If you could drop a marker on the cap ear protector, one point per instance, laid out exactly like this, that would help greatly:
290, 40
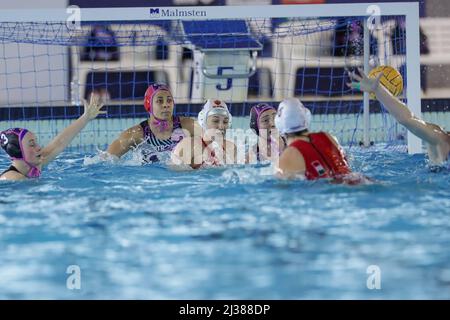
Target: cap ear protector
11, 142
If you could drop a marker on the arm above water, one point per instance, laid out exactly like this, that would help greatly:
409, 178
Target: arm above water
127, 140
62, 140
429, 132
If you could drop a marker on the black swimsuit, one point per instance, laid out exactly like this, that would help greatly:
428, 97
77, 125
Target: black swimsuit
11, 168
155, 145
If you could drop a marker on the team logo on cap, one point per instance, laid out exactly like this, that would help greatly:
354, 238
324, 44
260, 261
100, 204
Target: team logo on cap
4, 139
217, 103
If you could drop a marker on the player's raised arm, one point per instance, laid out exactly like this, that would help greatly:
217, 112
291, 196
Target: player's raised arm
429, 132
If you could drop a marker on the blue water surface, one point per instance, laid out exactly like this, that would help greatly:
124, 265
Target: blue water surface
147, 232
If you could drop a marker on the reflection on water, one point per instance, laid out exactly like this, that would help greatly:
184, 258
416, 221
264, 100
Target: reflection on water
237, 233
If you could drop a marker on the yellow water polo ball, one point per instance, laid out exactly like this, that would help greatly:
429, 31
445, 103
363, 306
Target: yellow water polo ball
391, 79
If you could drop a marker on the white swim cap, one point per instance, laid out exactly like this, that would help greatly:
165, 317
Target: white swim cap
292, 116
213, 107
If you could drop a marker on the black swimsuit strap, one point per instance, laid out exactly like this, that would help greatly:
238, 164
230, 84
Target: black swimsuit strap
11, 168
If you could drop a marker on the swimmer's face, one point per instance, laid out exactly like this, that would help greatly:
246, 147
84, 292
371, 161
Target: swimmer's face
31, 149
266, 121
162, 105
218, 124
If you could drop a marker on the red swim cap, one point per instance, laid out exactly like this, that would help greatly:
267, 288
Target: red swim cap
150, 93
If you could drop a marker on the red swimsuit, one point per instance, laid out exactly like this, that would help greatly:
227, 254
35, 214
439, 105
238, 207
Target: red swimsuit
322, 158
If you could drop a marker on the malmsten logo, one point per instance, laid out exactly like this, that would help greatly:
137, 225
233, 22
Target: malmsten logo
159, 12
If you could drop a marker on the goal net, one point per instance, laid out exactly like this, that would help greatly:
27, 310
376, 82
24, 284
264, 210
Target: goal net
243, 55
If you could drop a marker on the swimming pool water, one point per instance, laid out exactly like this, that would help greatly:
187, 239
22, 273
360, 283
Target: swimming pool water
146, 232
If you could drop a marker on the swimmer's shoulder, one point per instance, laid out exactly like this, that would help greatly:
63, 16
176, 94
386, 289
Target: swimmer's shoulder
439, 137
291, 162
134, 133
186, 121
12, 175
291, 153
129, 138
446, 139
190, 125
292, 158
443, 148
188, 142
